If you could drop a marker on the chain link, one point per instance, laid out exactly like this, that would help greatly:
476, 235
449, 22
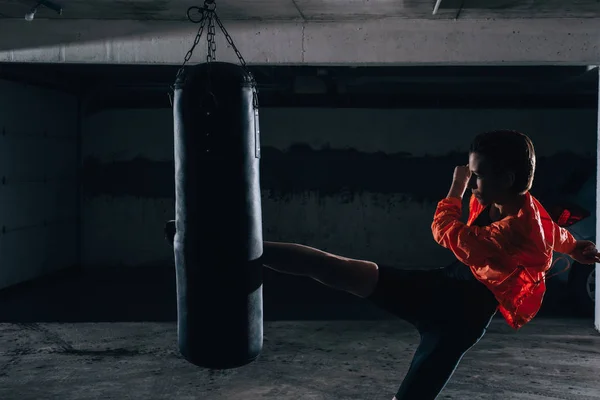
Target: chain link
209, 14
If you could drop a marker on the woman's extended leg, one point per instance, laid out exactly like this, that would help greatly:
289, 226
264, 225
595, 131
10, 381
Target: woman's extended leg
358, 277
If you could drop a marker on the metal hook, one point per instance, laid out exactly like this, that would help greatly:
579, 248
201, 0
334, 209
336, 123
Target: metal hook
210, 5
198, 10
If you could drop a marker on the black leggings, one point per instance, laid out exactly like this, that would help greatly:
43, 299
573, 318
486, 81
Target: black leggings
451, 314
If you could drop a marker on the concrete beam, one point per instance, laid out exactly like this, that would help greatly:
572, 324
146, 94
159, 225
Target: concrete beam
389, 41
597, 319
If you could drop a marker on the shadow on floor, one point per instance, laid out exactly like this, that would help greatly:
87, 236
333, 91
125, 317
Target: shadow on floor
149, 294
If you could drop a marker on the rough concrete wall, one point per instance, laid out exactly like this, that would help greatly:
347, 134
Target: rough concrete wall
38, 193
363, 183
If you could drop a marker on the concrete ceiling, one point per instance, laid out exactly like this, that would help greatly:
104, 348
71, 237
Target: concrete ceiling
309, 10
309, 32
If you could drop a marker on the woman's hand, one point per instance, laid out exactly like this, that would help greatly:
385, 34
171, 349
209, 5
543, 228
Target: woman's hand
585, 252
462, 175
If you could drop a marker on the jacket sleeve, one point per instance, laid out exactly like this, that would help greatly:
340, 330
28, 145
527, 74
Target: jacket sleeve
472, 245
564, 242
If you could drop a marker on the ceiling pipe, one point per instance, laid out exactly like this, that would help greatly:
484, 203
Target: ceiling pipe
438, 3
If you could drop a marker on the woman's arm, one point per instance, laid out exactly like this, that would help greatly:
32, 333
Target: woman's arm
472, 245
564, 242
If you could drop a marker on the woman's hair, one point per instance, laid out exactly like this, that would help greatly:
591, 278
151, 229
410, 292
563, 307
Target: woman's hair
508, 150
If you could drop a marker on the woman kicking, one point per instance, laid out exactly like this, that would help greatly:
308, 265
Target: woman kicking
503, 253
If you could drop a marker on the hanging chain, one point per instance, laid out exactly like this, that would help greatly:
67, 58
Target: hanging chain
230, 41
210, 39
240, 58
196, 39
208, 13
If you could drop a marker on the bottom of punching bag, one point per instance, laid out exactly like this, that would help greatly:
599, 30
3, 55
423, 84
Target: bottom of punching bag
220, 324
223, 353
224, 350
219, 363
220, 311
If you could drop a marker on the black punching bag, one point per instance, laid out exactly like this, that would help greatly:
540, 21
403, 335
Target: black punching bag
218, 216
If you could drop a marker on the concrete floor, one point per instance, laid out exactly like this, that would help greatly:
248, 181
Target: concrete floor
550, 359
112, 335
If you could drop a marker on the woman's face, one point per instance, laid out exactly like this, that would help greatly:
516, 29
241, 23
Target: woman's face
489, 187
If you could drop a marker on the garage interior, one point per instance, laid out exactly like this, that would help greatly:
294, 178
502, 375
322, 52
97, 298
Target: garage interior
359, 142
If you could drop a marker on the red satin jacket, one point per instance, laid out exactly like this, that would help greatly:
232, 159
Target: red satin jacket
510, 256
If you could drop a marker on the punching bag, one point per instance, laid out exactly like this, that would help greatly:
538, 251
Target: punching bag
219, 241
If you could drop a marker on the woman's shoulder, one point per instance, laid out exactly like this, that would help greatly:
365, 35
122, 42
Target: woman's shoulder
528, 229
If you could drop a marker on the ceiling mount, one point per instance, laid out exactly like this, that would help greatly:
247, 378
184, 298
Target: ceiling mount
47, 3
